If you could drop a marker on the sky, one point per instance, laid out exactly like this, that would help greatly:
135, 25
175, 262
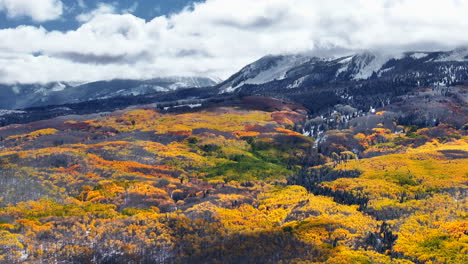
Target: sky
83, 40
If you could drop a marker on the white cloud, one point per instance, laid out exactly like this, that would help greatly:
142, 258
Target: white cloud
105, 8
217, 37
131, 9
81, 4
37, 10
101, 9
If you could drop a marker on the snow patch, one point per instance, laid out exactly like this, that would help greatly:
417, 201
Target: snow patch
61, 109
346, 60
279, 71
460, 54
266, 70
185, 105
159, 89
9, 112
41, 90
215, 79
58, 87
297, 82
342, 69
369, 65
231, 89
16, 89
418, 55
382, 71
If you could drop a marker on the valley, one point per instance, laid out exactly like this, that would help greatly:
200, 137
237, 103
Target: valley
331, 171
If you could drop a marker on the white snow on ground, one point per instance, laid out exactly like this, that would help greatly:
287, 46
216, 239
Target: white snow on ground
277, 71
460, 54
370, 65
297, 82
264, 71
186, 82
346, 60
418, 55
58, 87
8, 112
179, 106
373, 62
16, 89
382, 71
342, 69
215, 79
42, 91
230, 89
361, 66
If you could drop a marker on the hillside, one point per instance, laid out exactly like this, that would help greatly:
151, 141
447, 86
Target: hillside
362, 80
233, 132
235, 182
20, 96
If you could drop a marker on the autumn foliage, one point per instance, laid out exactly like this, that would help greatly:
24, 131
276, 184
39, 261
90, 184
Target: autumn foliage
229, 185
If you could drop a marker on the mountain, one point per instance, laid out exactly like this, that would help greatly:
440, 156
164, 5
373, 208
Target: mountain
221, 184
372, 170
23, 96
362, 79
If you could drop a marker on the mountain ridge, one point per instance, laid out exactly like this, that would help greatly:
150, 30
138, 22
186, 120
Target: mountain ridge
318, 84
358, 66
362, 80
56, 93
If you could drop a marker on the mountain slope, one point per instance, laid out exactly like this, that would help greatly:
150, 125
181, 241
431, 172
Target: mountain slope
361, 80
447, 67
23, 96
230, 185
195, 176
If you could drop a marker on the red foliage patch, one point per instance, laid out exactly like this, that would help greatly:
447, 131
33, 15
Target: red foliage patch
78, 125
257, 128
180, 133
271, 104
287, 117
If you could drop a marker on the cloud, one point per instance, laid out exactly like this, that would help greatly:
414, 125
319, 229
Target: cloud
81, 4
37, 10
102, 59
218, 37
131, 9
101, 9
105, 8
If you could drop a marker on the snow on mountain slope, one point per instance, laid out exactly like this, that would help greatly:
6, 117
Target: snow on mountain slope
186, 82
460, 54
418, 55
28, 95
295, 71
279, 70
369, 63
266, 69
9, 112
271, 68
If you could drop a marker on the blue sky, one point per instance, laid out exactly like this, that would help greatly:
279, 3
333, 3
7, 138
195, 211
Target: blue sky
147, 9
83, 40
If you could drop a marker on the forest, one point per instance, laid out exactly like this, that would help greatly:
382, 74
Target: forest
232, 184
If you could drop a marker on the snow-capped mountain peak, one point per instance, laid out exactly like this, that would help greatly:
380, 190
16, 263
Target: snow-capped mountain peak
418, 68
459, 54
274, 68
266, 69
27, 95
